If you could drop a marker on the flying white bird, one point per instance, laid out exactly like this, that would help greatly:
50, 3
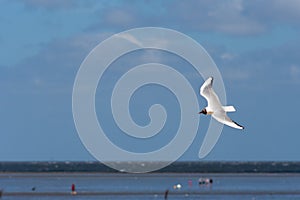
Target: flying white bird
214, 107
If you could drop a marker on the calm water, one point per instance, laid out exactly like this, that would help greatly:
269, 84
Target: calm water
148, 186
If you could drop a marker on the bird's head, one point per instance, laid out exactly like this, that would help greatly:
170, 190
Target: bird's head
203, 112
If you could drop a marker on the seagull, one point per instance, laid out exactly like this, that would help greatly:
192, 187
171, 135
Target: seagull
214, 107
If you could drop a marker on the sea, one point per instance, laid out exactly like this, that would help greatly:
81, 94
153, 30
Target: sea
52, 180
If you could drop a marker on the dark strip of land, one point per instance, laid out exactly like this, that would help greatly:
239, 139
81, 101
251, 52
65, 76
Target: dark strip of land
176, 167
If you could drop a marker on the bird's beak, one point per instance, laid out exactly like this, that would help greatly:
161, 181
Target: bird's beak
201, 112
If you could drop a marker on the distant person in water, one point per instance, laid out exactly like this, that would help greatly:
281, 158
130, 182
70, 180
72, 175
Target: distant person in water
166, 194
205, 181
73, 190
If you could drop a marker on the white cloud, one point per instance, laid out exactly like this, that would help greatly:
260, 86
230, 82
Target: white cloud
223, 16
227, 56
130, 38
295, 73
234, 17
50, 4
119, 17
288, 9
236, 74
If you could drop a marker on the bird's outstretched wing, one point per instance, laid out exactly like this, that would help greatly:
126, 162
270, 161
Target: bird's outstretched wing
209, 94
223, 118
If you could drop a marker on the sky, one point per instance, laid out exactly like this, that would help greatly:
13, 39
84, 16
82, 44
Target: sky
255, 45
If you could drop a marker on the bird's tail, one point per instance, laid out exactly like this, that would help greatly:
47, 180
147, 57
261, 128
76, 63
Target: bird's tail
229, 108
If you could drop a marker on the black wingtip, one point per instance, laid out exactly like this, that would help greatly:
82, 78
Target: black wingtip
239, 125
212, 79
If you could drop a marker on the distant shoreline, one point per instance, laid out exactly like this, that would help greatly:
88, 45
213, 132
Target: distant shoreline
176, 167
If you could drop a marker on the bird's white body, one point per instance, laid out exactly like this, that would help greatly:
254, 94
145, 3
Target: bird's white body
214, 107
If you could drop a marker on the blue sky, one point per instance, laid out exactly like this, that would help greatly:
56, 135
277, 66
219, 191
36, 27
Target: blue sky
255, 45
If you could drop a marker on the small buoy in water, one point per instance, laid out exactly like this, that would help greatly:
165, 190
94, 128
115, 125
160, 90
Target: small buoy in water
73, 190
33, 188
